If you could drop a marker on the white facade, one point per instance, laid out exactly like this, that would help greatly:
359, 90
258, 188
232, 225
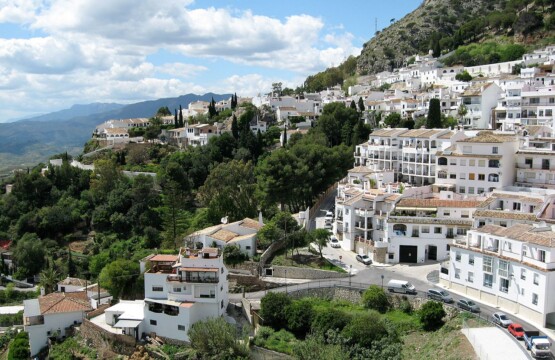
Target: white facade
480, 100
510, 268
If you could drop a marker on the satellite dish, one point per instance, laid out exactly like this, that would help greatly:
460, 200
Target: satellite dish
224, 220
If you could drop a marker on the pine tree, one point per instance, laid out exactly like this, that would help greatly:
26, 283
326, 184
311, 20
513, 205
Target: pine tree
353, 105
284, 135
212, 108
235, 128
361, 107
175, 120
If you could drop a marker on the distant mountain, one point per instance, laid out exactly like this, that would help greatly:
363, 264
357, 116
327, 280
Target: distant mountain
75, 111
25, 141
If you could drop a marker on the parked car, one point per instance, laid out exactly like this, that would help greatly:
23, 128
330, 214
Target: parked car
328, 226
401, 286
335, 243
501, 319
516, 330
440, 295
365, 259
329, 214
468, 305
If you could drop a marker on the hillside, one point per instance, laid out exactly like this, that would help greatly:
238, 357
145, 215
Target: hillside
76, 111
443, 26
28, 142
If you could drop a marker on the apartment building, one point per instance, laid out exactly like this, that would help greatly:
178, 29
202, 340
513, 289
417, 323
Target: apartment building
508, 208
480, 100
192, 135
422, 229
506, 267
538, 105
535, 158
478, 164
183, 289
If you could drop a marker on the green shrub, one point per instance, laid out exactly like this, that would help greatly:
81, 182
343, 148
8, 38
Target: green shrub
328, 319
280, 341
363, 329
375, 298
431, 315
272, 308
19, 348
405, 306
299, 316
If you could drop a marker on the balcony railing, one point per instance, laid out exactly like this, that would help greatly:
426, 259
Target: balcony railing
33, 320
192, 279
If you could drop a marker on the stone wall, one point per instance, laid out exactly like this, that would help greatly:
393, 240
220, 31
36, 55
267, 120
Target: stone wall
330, 293
103, 340
306, 273
247, 267
97, 311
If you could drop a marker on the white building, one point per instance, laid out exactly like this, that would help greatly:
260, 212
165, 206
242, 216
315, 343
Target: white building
478, 164
192, 135
480, 100
52, 315
94, 292
508, 208
183, 289
506, 267
535, 158
241, 233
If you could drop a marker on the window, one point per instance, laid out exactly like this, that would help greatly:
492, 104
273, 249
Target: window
495, 150
181, 327
470, 277
488, 280
535, 299
391, 256
480, 190
437, 230
503, 268
504, 285
452, 161
471, 162
529, 162
452, 176
462, 176
471, 189
176, 289
534, 100
222, 270
247, 247
461, 189
465, 214
536, 279
425, 229
457, 256
471, 176
471, 259
522, 274
153, 322
446, 212
481, 177
481, 163
541, 255
545, 164
516, 206
524, 250
457, 273
157, 288
548, 112
488, 264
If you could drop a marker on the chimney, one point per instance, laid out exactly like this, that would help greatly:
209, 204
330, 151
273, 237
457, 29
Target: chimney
260, 220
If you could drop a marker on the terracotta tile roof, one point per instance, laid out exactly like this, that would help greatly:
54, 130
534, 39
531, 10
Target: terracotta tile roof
502, 196
352, 200
393, 197
427, 203
388, 132
251, 224
542, 152
522, 232
361, 169
224, 235
500, 214
164, 258
446, 135
210, 250
428, 220
475, 90
489, 137
421, 133
64, 302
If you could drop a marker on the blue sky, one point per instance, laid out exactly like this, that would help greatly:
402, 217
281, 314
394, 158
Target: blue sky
56, 53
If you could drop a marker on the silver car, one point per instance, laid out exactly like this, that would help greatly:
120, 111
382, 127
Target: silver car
440, 295
501, 319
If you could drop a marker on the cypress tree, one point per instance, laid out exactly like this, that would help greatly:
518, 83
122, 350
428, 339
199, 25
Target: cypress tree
284, 135
235, 128
175, 121
361, 107
353, 105
434, 115
181, 123
70, 264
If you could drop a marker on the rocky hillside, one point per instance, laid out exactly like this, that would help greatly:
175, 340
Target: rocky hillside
444, 25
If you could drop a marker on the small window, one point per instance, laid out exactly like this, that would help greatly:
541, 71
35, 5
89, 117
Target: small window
425, 229
437, 230
470, 277
471, 259
472, 162
536, 279
222, 270
462, 176
247, 247
488, 280
457, 273
453, 176
495, 150
541, 255
176, 289
391, 256
462, 162
535, 299
471, 176
481, 177
457, 256
462, 189
446, 212
157, 288
522, 274
471, 189
181, 327
153, 322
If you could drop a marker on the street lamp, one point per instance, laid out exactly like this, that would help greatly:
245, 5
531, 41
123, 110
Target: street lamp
382, 280
350, 268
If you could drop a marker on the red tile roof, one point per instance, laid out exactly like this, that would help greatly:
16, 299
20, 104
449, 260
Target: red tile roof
64, 302
427, 203
162, 257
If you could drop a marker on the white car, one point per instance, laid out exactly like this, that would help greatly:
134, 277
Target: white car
334, 243
501, 319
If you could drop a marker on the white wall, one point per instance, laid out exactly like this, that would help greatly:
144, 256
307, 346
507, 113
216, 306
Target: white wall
38, 334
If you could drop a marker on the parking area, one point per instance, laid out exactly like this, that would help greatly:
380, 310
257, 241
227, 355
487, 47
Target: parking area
494, 343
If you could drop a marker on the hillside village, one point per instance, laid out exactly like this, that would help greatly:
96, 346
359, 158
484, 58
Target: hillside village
477, 197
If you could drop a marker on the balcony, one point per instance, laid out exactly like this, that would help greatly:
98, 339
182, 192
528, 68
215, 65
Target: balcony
33, 320
193, 279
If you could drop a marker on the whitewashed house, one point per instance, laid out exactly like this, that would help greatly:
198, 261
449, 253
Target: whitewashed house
506, 267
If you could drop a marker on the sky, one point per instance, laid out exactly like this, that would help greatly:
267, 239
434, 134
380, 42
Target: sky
57, 53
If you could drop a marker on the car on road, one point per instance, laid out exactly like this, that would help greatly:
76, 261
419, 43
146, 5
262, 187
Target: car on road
516, 330
440, 295
328, 226
329, 214
334, 243
365, 259
501, 319
468, 305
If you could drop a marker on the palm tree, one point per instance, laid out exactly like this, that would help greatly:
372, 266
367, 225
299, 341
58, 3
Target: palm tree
49, 279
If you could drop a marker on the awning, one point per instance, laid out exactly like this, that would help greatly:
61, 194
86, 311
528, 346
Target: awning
128, 323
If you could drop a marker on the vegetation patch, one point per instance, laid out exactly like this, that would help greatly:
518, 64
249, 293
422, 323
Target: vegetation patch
306, 261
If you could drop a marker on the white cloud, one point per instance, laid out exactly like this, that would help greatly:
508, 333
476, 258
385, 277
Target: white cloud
17, 11
181, 70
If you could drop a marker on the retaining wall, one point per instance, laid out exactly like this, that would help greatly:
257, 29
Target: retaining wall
306, 273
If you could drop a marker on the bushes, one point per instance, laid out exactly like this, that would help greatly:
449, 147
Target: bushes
431, 315
363, 329
299, 316
329, 319
375, 298
216, 339
272, 308
282, 341
19, 348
